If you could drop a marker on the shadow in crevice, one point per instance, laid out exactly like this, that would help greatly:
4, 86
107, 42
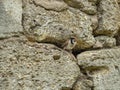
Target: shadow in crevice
75, 53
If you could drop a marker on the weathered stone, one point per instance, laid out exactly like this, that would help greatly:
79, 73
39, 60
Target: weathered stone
118, 34
105, 41
103, 66
109, 18
57, 5
94, 20
10, 17
83, 84
83, 5
33, 66
57, 27
85, 24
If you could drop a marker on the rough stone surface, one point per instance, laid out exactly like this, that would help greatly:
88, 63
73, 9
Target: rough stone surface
94, 20
32, 66
104, 42
32, 62
83, 83
10, 17
103, 66
86, 6
109, 18
57, 5
57, 27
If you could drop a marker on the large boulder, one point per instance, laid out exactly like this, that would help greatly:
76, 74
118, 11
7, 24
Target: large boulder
10, 17
109, 17
32, 66
87, 6
57, 27
103, 66
57, 5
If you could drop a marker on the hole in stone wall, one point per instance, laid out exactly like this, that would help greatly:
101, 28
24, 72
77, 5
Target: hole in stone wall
82, 70
66, 88
75, 53
56, 57
117, 40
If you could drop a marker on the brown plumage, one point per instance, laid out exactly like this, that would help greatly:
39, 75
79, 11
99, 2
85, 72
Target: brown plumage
70, 44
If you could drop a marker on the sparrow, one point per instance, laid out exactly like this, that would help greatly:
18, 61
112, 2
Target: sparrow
70, 44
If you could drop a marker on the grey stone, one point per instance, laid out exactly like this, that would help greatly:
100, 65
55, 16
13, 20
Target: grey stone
103, 66
109, 18
94, 20
104, 42
57, 27
33, 66
86, 6
57, 5
83, 84
10, 17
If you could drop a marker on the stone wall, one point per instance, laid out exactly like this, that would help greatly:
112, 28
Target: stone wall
10, 17
59, 45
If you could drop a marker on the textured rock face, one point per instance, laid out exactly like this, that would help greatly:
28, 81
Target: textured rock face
72, 25
57, 5
57, 21
118, 34
57, 27
104, 41
32, 66
87, 6
10, 17
83, 84
103, 66
109, 18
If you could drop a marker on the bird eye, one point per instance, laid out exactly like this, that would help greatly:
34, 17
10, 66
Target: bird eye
72, 40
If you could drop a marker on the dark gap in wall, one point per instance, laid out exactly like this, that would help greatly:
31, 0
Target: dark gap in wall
83, 70
92, 88
117, 37
66, 88
75, 53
